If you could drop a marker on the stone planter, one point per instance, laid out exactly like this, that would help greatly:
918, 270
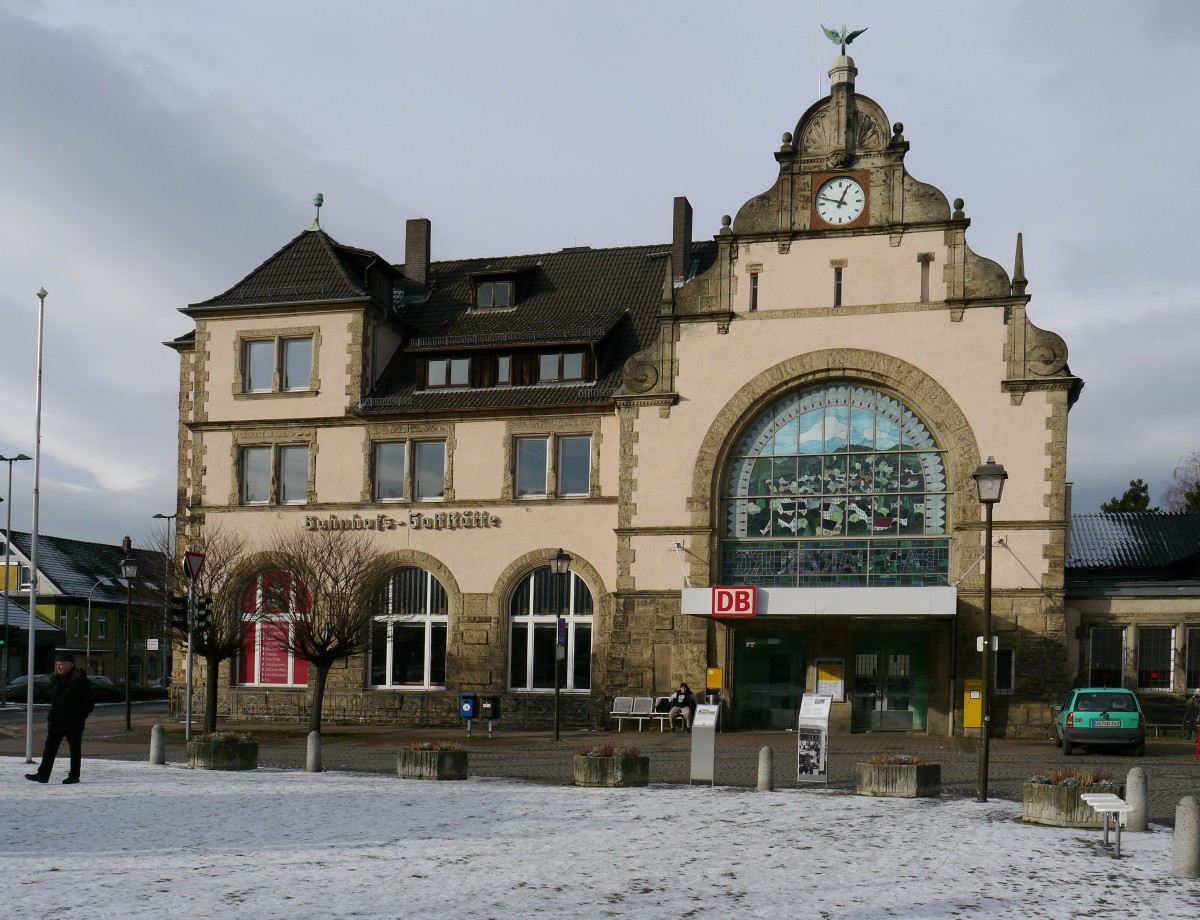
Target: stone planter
222, 755
431, 764
611, 771
1061, 806
905, 781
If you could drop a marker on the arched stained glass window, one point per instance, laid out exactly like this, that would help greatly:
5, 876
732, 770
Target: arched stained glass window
841, 484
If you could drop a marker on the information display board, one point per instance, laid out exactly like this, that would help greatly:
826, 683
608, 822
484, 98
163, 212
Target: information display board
812, 739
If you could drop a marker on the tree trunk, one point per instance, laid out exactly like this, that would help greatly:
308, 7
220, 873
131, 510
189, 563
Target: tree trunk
318, 702
210, 694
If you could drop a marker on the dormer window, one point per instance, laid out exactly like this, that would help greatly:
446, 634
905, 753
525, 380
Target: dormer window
448, 372
494, 294
560, 365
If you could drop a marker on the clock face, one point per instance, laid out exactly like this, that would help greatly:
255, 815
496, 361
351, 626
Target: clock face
841, 201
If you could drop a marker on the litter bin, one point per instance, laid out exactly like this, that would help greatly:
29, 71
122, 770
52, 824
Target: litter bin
468, 706
489, 707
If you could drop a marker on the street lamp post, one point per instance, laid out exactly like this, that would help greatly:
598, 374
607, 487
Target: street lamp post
989, 481
33, 535
87, 655
7, 577
129, 573
170, 567
560, 564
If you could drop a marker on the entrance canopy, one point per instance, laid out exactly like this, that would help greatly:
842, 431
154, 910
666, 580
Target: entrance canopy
938, 601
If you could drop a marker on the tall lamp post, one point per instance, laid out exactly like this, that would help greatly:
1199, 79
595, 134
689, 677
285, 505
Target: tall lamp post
87, 655
560, 564
33, 534
129, 573
989, 481
7, 586
170, 567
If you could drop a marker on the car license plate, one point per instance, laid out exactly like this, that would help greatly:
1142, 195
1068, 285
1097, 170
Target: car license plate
1106, 723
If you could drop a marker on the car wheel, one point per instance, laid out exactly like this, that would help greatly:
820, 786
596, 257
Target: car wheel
1057, 739
1067, 746
1139, 750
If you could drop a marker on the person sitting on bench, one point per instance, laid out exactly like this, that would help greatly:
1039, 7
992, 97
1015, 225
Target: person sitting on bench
683, 704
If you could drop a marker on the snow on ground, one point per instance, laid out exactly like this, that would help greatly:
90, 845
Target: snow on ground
135, 840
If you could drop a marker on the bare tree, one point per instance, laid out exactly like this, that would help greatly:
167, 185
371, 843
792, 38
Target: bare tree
326, 605
221, 579
1183, 494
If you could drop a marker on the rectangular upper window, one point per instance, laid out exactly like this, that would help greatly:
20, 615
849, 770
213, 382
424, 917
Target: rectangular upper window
277, 365
504, 369
494, 294
274, 475
409, 471
102, 625
389, 471
569, 456
429, 477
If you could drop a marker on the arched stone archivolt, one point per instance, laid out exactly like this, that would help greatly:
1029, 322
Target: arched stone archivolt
536, 559
400, 558
924, 394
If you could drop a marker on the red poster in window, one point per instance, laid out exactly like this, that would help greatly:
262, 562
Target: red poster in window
247, 658
274, 650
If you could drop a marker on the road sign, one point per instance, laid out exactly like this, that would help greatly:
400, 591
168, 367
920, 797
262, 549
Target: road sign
194, 563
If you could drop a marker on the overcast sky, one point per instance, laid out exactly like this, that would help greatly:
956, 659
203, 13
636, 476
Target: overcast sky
154, 153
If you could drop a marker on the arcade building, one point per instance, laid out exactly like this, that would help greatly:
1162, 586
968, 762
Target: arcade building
793, 407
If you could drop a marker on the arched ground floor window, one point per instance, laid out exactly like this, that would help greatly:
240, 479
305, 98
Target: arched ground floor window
408, 635
269, 605
533, 614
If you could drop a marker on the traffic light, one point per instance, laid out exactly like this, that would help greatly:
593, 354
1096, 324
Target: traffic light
179, 613
203, 610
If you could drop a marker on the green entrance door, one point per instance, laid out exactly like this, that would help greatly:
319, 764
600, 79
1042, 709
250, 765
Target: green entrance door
768, 678
891, 682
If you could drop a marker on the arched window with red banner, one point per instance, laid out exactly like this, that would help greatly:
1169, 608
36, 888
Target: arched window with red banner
272, 605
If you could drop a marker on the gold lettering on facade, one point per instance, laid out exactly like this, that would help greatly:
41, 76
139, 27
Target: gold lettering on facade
452, 520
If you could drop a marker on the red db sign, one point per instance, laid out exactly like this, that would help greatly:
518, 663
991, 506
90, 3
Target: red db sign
740, 601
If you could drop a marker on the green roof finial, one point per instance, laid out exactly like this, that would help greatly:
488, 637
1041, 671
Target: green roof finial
843, 37
318, 200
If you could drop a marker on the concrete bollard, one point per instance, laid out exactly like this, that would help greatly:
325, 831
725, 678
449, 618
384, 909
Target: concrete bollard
314, 753
158, 748
1186, 861
766, 770
1135, 795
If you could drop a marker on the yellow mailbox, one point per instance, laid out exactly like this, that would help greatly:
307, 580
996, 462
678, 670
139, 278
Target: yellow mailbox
972, 703
712, 679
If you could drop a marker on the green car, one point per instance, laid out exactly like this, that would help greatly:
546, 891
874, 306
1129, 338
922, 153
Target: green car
1101, 716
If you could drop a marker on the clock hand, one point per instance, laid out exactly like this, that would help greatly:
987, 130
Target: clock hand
842, 200
830, 200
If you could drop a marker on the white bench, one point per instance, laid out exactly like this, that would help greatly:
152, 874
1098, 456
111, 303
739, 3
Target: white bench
662, 718
1108, 804
639, 709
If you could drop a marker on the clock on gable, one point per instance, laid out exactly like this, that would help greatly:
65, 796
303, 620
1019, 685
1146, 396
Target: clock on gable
840, 201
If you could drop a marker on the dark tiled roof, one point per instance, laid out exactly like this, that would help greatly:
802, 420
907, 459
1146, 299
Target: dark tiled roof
74, 566
605, 297
312, 267
1133, 541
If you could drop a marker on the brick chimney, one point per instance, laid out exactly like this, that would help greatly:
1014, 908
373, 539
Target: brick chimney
416, 251
681, 241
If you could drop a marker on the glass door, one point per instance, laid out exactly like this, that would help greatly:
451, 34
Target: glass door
768, 679
891, 683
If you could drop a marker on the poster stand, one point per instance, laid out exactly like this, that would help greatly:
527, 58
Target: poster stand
812, 739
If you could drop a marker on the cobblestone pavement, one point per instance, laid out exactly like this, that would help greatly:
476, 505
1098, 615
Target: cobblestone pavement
1171, 768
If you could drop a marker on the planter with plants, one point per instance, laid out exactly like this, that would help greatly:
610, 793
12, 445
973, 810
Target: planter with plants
605, 765
432, 760
905, 776
1054, 796
223, 751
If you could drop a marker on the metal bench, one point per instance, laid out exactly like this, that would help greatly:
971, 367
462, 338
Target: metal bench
662, 718
1108, 804
622, 709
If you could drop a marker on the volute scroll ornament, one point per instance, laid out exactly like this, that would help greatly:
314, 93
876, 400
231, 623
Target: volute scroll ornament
1046, 353
639, 376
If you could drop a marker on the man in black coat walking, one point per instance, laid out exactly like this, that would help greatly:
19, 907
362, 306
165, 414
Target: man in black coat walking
70, 705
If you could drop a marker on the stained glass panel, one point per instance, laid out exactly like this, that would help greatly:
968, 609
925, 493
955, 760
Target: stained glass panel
849, 486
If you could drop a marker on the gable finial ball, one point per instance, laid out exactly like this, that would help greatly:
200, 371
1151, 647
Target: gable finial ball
958, 209
726, 220
787, 137
898, 128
